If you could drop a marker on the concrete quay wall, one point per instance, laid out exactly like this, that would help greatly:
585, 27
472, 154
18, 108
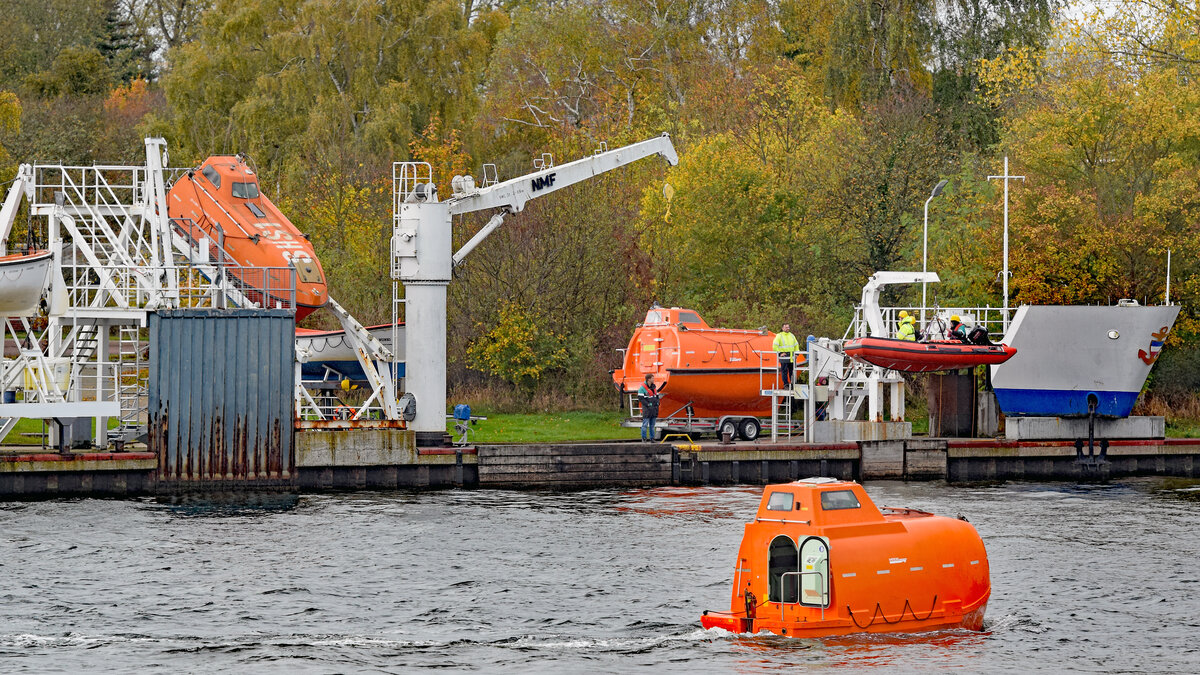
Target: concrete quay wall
389, 459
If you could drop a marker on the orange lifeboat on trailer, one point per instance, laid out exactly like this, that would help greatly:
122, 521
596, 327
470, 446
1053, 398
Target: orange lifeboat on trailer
820, 559
713, 371
221, 201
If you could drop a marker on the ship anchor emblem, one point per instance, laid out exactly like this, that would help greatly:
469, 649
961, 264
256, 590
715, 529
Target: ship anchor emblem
1156, 343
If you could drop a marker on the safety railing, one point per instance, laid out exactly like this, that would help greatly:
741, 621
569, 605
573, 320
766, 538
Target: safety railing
800, 592
30, 375
328, 399
269, 287
936, 324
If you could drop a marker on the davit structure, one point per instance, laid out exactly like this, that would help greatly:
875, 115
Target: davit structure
423, 256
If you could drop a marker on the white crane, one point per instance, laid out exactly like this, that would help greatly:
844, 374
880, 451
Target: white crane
422, 257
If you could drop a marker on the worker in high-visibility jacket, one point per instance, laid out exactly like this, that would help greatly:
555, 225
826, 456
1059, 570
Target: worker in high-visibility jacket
908, 330
785, 347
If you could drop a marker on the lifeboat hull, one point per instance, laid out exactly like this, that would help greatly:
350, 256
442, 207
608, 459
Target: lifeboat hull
713, 392
924, 357
821, 560
23, 279
330, 351
955, 620
219, 209
701, 371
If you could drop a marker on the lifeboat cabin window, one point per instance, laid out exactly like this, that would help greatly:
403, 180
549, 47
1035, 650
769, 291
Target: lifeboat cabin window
780, 501
654, 317
212, 176
690, 317
254, 209
834, 500
782, 567
814, 572
245, 190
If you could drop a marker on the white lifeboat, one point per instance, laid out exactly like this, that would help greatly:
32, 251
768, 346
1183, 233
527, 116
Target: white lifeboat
23, 279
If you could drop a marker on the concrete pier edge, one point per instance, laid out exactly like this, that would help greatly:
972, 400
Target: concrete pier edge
383, 458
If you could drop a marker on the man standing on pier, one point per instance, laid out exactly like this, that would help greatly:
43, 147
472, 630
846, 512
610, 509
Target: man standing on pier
648, 398
785, 347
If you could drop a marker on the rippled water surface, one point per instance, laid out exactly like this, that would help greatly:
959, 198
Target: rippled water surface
1086, 578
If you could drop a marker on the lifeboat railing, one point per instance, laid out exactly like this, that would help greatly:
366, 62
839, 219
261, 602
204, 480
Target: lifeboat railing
936, 320
769, 384
799, 590
233, 282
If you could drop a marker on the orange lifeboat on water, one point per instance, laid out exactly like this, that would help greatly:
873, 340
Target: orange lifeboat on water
713, 371
820, 559
221, 201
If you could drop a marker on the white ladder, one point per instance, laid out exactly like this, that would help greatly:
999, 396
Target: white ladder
132, 390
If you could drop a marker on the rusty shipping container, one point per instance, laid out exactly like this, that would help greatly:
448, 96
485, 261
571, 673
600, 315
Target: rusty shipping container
951, 399
221, 387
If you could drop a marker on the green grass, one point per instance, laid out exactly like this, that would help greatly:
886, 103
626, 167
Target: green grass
23, 433
28, 432
550, 426
1182, 428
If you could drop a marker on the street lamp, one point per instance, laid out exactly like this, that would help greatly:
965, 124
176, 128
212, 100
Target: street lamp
937, 190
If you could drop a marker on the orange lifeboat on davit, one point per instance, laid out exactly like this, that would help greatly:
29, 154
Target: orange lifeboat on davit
717, 371
820, 559
221, 201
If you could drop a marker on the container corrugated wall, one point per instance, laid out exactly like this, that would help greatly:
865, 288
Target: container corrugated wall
221, 395
951, 404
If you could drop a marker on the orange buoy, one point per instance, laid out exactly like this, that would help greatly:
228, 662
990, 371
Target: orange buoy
820, 559
221, 202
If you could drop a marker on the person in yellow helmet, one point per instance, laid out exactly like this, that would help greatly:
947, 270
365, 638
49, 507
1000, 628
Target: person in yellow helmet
958, 330
785, 347
908, 329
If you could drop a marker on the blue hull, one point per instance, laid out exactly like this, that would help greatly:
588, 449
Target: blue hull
348, 369
1050, 403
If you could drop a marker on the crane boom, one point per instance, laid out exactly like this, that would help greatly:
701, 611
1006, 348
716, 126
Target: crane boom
422, 256
512, 195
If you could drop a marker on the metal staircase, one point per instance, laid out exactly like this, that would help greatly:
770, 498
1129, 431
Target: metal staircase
132, 390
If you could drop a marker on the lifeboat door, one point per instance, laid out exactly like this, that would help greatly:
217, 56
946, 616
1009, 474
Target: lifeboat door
649, 360
814, 572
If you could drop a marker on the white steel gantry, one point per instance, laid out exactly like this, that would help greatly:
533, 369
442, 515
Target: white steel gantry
110, 241
423, 257
116, 257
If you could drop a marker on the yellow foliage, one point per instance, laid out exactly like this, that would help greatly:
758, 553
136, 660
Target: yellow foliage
444, 152
10, 126
518, 348
1009, 75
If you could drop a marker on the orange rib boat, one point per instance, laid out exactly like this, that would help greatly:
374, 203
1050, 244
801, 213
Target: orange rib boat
717, 371
221, 201
820, 559
925, 357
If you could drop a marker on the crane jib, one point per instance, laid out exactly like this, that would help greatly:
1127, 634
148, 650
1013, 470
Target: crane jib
542, 182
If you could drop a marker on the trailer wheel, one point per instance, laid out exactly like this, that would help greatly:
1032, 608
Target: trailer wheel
727, 427
750, 429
